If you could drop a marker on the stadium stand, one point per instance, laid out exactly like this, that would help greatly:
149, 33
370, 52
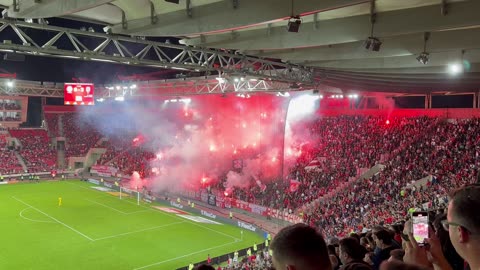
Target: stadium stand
135, 159
52, 123
9, 162
36, 150
80, 135
449, 152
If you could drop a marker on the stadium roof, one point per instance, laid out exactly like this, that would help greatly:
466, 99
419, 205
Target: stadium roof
331, 36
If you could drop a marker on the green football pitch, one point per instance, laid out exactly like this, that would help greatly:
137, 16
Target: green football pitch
96, 230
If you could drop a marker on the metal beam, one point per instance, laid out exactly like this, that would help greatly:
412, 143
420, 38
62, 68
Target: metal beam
198, 86
176, 87
143, 53
350, 29
29, 88
51, 8
220, 16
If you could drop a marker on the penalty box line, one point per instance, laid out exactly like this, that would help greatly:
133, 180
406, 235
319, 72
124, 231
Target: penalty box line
56, 220
115, 209
137, 231
183, 256
168, 215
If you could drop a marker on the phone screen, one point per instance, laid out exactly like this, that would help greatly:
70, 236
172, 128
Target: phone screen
420, 226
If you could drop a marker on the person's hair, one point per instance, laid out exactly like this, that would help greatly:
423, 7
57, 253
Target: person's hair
204, 267
331, 250
302, 246
356, 236
397, 254
352, 248
384, 236
465, 203
398, 227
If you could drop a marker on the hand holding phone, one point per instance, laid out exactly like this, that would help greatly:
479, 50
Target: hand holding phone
420, 227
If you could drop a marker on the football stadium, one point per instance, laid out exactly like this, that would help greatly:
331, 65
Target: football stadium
240, 134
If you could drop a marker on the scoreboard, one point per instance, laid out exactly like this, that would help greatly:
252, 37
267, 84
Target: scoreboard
79, 93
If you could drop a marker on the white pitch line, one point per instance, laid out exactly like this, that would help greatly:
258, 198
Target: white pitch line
183, 256
109, 207
34, 220
80, 233
174, 216
139, 211
142, 230
191, 222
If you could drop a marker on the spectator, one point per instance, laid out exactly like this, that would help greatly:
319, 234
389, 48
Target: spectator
352, 254
463, 224
300, 247
384, 242
451, 254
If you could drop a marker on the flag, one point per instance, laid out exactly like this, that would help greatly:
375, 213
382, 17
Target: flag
294, 184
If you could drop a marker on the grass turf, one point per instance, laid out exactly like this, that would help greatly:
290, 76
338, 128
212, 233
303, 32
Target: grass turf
95, 230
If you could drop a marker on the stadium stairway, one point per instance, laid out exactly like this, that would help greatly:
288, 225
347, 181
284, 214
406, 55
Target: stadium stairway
60, 126
21, 161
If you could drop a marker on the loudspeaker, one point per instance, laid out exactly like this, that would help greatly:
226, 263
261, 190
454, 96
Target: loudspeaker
294, 25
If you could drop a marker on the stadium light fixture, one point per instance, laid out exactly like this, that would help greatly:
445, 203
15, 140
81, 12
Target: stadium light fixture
118, 87
294, 24
100, 99
373, 43
455, 68
10, 84
424, 56
120, 98
220, 80
133, 86
283, 94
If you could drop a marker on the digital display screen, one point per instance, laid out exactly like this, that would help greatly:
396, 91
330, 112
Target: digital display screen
79, 94
420, 228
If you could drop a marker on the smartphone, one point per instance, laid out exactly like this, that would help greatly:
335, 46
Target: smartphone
420, 226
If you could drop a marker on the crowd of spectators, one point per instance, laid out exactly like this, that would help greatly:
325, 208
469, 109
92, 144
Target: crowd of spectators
449, 152
52, 123
117, 144
80, 134
260, 260
411, 148
134, 159
345, 147
35, 149
9, 162
11, 118
449, 245
4, 105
